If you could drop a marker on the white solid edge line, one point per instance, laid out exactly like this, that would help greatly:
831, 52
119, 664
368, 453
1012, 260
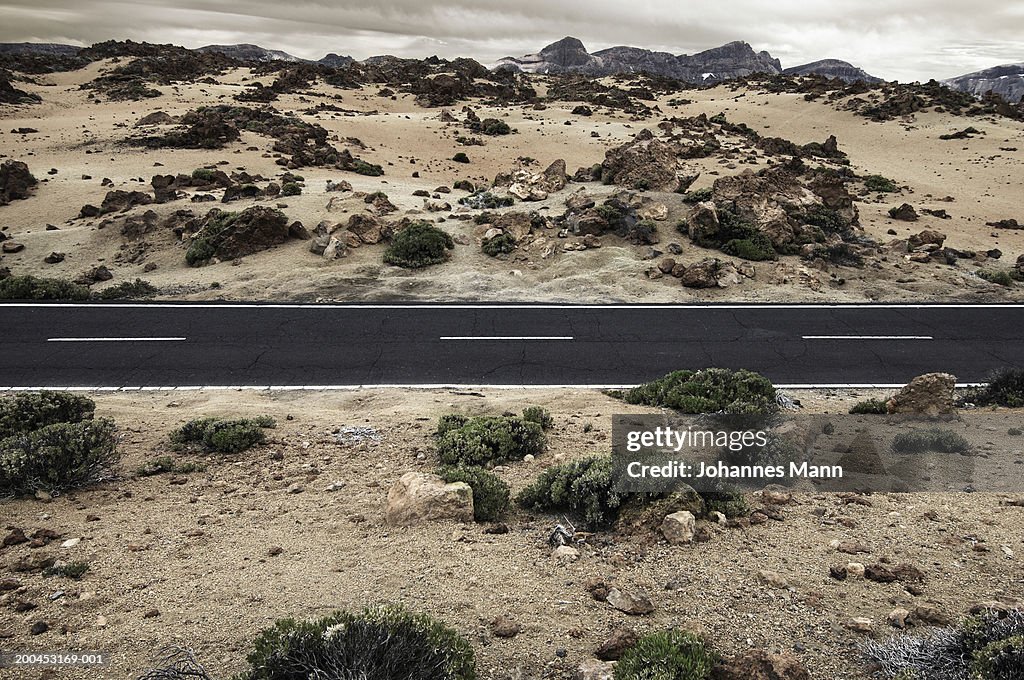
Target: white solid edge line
424, 386
429, 305
867, 337
506, 337
115, 339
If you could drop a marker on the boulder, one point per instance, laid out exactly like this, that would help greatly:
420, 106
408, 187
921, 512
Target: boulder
927, 237
929, 395
253, 230
554, 176
368, 228
679, 527
759, 665
634, 603
417, 497
620, 641
11, 247
905, 213
16, 182
120, 201
646, 162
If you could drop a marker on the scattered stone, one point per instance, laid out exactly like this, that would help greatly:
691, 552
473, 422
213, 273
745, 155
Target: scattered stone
905, 213
759, 665
859, 624
629, 602
39, 627
620, 641
593, 669
16, 182
773, 579
504, 627
898, 617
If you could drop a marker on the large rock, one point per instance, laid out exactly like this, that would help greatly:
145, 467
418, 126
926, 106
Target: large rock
16, 181
759, 665
929, 395
679, 528
368, 228
416, 498
119, 201
251, 231
644, 163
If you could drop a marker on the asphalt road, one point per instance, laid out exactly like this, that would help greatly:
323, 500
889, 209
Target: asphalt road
191, 345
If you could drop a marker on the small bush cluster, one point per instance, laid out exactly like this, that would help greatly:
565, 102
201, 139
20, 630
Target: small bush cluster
291, 189
460, 157
221, 436
419, 245
583, 488
1000, 277
33, 288
667, 655
880, 184
938, 441
485, 200
490, 493
711, 390
31, 411
204, 174
870, 407
57, 457
381, 643
166, 464
989, 646
757, 248
1005, 388
698, 195
129, 290
539, 415
361, 167
502, 244
69, 570
493, 127
488, 440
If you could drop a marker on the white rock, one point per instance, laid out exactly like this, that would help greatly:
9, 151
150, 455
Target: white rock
565, 553
592, 669
71, 543
854, 570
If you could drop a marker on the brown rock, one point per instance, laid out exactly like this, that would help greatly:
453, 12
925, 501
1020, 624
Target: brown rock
16, 182
929, 395
759, 665
418, 498
504, 627
634, 603
620, 641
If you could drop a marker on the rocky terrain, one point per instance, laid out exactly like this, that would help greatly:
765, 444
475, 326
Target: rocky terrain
552, 187
1007, 81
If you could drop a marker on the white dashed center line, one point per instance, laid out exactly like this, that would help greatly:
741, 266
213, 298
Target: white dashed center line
868, 337
115, 339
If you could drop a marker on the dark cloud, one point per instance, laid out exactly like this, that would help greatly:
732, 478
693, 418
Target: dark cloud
913, 39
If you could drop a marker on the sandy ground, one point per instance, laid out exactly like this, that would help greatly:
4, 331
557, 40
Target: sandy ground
79, 138
186, 560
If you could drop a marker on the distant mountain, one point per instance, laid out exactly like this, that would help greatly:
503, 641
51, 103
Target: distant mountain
39, 48
1006, 80
333, 60
246, 52
721, 63
833, 68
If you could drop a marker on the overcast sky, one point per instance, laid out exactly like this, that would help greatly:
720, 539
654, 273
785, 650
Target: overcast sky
905, 40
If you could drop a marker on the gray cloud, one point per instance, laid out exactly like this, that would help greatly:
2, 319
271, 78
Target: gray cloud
908, 40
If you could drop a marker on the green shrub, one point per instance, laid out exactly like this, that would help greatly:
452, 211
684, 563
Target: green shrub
1000, 660
880, 183
381, 643
490, 439
870, 407
727, 500
70, 570
361, 167
57, 457
30, 411
490, 492
291, 189
757, 248
485, 200
460, 157
1000, 277
32, 288
129, 290
1005, 388
204, 174
582, 488
165, 464
829, 220
450, 421
539, 415
667, 655
221, 436
502, 244
494, 127
419, 245
711, 390
921, 441
698, 195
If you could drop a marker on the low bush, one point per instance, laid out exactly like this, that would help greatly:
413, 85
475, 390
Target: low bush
938, 441
758, 248
829, 220
460, 157
166, 464
667, 655
711, 390
485, 200
419, 245
291, 189
489, 440
33, 288
1000, 277
698, 195
448, 422
989, 646
880, 184
58, 457
502, 244
381, 643
539, 415
870, 407
727, 500
490, 493
361, 167
70, 570
494, 127
583, 489
129, 290
30, 411
204, 174
1004, 388
221, 436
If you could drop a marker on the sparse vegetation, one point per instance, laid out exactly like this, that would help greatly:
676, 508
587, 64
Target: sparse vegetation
69, 570
870, 407
129, 290
31, 411
34, 288
1000, 277
489, 440
204, 174
936, 440
381, 643
361, 167
711, 390
878, 183
419, 245
539, 415
57, 457
221, 436
485, 200
757, 248
581, 488
667, 655
291, 189
494, 127
490, 493
502, 244
698, 195
1005, 388
167, 464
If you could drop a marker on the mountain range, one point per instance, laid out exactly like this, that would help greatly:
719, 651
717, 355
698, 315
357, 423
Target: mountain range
569, 55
